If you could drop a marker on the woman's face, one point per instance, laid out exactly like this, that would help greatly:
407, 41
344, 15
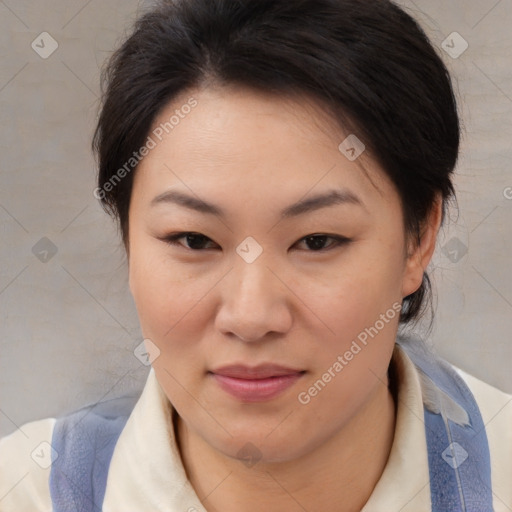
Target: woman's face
276, 321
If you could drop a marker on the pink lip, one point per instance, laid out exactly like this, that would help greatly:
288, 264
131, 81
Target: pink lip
256, 384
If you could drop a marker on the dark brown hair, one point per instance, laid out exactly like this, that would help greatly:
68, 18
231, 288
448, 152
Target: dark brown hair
367, 61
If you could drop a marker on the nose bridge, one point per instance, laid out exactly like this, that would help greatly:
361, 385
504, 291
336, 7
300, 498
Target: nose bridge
254, 301
253, 285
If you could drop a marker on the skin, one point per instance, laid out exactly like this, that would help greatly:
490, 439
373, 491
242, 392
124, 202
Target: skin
253, 155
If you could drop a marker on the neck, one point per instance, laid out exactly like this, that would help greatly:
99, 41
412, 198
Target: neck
340, 474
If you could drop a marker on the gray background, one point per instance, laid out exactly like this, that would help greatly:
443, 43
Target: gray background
68, 324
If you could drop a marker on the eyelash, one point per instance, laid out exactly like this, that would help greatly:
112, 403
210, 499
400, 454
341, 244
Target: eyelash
174, 238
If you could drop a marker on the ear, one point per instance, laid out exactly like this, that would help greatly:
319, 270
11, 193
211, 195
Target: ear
420, 254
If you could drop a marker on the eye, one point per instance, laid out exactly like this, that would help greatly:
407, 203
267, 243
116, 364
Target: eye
198, 242
317, 242
194, 241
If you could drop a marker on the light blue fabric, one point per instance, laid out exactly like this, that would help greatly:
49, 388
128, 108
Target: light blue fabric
84, 442
458, 456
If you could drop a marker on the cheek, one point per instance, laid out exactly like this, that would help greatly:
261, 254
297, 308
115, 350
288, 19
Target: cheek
360, 305
171, 313
163, 295
350, 363
152, 296
354, 295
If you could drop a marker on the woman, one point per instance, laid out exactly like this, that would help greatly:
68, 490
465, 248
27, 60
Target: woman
280, 171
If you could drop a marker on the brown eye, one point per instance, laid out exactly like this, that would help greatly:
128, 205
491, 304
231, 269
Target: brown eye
317, 243
193, 241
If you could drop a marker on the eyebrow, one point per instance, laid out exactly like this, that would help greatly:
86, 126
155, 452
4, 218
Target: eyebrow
324, 200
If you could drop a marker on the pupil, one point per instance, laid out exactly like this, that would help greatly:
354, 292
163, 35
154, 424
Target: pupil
195, 241
316, 242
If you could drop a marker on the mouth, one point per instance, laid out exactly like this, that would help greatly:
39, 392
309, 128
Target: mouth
256, 384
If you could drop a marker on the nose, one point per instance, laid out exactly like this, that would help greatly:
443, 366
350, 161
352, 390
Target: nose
255, 303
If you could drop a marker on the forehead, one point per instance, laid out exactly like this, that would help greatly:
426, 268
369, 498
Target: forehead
240, 139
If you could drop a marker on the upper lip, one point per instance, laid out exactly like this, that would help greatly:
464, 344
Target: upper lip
262, 371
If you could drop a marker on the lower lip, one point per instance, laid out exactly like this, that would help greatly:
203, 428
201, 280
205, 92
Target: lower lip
256, 390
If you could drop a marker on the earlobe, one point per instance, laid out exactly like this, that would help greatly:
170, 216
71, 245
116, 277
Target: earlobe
420, 254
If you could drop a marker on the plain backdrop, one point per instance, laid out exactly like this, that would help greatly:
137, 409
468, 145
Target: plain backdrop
68, 324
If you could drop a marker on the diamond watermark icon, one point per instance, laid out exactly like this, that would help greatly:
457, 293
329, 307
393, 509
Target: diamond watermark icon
44, 250
44, 455
249, 455
454, 45
454, 250
146, 352
454, 455
249, 250
44, 45
352, 147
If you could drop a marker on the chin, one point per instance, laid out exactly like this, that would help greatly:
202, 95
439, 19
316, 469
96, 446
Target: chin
257, 447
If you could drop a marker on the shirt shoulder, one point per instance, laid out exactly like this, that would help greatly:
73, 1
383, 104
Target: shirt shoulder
489, 398
26, 457
50, 462
496, 410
